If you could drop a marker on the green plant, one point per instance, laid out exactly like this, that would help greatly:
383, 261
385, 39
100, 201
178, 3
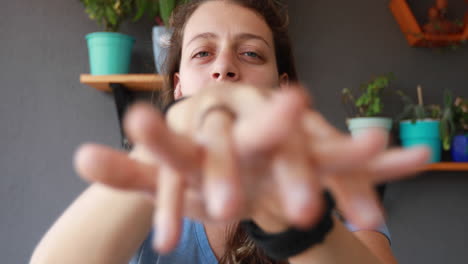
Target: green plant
369, 103
111, 13
460, 109
447, 125
161, 10
418, 111
108, 13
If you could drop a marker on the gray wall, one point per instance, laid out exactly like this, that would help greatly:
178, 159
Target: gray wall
45, 113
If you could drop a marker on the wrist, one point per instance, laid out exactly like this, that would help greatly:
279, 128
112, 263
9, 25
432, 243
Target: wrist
270, 223
292, 241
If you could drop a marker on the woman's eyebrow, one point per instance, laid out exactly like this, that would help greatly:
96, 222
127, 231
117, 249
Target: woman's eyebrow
206, 35
247, 36
241, 36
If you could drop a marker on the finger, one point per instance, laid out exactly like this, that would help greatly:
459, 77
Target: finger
298, 185
333, 150
268, 125
97, 163
399, 163
168, 216
317, 127
144, 125
356, 199
222, 183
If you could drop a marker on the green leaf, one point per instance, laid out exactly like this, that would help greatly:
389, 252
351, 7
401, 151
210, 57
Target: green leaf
445, 135
111, 17
141, 6
419, 112
166, 7
153, 9
448, 98
408, 109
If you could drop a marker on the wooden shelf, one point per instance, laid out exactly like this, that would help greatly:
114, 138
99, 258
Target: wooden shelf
448, 166
133, 82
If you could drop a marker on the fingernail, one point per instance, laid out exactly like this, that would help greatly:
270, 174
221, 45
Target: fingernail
159, 239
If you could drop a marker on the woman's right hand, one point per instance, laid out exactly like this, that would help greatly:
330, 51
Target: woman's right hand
193, 161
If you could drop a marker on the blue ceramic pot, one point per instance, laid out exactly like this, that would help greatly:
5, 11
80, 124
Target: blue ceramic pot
161, 43
459, 148
361, 124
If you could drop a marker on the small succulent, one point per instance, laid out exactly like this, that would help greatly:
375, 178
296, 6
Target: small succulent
418, 111
460, 108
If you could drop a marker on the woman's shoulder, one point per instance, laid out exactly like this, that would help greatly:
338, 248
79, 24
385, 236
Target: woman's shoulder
193, 247
383, 229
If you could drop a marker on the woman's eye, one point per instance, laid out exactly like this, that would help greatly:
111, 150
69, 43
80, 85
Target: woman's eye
251, 54
202, 54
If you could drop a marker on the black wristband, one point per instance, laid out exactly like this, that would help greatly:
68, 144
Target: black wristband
281, 246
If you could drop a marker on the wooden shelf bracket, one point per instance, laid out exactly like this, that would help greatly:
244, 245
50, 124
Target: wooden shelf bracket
122, 87
123, 97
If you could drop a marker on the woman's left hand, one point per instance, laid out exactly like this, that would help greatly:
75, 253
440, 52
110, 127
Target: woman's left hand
276, 141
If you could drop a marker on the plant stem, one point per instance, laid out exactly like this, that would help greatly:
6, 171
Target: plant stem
420, 97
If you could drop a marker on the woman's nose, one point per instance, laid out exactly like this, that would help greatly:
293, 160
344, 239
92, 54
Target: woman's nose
224, 76
225, 68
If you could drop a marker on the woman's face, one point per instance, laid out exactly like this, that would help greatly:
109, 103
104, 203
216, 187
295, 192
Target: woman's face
224, 42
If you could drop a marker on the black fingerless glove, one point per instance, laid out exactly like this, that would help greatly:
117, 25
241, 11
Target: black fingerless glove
281, 246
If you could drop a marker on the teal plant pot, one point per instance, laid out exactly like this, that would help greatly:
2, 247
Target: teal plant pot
422, 132
360, 124
109, 52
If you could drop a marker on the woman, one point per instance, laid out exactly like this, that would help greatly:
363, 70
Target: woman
219, 42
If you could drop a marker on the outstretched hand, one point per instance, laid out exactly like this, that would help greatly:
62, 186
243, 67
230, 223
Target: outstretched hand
234, 152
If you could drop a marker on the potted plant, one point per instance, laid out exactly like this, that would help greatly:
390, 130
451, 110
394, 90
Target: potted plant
459, 146
110, 51
366, 110
162, 10
428, 125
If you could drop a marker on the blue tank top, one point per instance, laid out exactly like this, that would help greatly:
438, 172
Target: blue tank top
194, 247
